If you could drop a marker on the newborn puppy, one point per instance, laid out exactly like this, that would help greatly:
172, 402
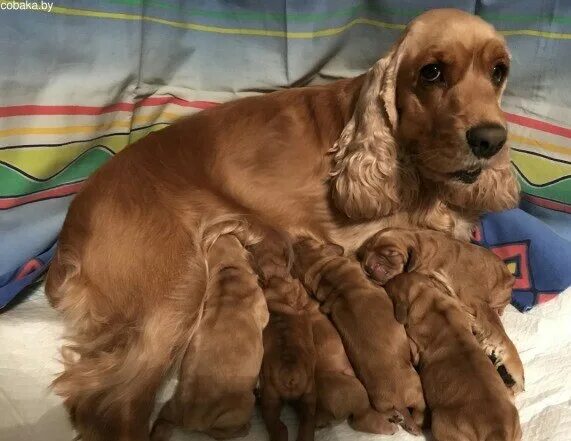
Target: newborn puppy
376, 344
340, 395
467, 399
220, 368
288, 365
474, 274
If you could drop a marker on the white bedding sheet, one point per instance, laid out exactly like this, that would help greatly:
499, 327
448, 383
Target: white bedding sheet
30, 336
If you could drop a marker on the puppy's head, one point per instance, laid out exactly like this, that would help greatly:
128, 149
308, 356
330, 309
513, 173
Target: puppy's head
429, 111
386, 254
449, 85
309, 251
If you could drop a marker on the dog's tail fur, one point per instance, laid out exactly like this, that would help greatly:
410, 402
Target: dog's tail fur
113, 365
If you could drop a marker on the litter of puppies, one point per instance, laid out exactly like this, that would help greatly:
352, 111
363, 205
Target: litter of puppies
401, 336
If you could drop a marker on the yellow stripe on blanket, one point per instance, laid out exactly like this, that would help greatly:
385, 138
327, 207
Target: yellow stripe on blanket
222, 30
539, 170
542, 145
42, 162
275, 33
165, 117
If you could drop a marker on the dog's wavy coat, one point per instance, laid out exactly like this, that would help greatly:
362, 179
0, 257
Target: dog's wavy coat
466, 397
416, 141
473, 274
376, 344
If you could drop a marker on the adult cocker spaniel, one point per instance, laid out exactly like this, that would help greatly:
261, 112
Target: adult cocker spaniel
417, 140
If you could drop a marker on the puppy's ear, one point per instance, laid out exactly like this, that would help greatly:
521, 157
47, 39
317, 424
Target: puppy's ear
412, 260
414, 353
401, 312
364, 179
333, 248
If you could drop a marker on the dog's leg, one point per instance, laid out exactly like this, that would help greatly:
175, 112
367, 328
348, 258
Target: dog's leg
492, 336
271, 409
371, 421
414, 402
234, 414
306, 408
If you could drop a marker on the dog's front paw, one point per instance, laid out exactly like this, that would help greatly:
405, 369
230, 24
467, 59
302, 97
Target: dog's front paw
509, 369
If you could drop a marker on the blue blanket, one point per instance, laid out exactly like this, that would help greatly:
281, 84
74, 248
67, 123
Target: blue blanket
539, 258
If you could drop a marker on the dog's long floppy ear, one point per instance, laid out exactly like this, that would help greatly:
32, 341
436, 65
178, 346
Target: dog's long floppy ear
365, 178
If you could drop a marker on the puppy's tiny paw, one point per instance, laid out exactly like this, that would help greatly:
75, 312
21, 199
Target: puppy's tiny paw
508, 372
397, 418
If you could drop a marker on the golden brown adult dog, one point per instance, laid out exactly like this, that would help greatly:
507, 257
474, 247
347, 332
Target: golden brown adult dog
472, 273
219, 371
375, 342
466, 397
417, 140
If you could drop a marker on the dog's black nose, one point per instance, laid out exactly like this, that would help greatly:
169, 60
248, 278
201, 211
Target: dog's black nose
486, 140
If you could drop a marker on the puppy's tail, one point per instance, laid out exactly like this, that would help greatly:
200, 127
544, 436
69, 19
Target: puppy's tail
292, 379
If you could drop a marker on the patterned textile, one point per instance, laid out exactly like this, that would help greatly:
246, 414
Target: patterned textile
539, 259
81, 82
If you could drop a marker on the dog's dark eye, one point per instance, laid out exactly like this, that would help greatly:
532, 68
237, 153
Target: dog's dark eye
499, 73
431, 72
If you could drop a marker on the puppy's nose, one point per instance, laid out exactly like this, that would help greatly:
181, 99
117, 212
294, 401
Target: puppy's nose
486, 140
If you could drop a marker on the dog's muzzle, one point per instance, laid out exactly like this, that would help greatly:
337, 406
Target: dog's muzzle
467, 176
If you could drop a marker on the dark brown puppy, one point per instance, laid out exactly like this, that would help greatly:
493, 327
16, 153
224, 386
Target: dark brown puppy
218, 374
474, 274
466, 397
288, 367
375, 342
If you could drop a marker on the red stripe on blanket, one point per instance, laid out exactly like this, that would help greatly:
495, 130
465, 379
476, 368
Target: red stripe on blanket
543, 297
538, 125
547, 203
58, 192
32, 109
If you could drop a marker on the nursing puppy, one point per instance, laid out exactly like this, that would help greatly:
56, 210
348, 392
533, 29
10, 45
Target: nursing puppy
375, 343
340, 395
220, 368
466, 397
288, 367
474, 274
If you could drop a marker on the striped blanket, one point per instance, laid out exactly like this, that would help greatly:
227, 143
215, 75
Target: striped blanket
87, 78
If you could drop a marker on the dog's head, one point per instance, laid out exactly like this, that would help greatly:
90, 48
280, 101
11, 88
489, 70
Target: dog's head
450, 80
429, 112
